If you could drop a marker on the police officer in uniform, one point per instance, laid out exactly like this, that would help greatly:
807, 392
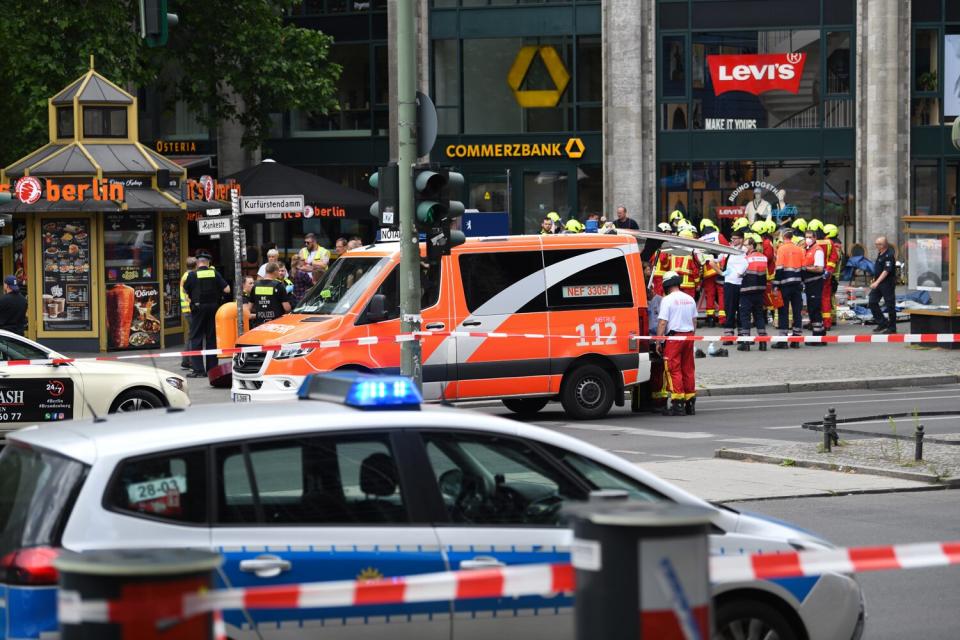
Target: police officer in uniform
269, 299
185, 306
884, 286
204, 288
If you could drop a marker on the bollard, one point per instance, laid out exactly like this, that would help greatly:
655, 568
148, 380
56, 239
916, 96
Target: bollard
145, 587
642, 571
827, 437
918, 443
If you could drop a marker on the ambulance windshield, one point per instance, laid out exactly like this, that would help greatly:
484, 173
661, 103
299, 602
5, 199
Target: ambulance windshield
341, 286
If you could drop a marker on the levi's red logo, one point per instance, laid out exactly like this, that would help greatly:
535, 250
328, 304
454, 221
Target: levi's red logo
757, 73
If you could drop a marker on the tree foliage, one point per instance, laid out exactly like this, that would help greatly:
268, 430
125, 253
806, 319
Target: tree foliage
221, 50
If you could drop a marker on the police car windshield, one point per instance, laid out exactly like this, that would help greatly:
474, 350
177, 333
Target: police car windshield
341, 286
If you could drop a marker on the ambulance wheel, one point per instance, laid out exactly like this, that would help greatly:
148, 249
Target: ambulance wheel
587, 392
751, 619
525, 406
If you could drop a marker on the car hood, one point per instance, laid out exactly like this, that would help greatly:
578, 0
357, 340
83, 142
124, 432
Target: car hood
145, 371
756, 524
294, 328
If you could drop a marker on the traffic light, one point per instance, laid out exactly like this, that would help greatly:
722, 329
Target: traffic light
432, 197
386, 180
155, 22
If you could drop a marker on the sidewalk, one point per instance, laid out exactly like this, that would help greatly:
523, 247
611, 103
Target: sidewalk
720, 480
844, 365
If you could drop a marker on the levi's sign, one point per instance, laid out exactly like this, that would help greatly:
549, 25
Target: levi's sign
758, 73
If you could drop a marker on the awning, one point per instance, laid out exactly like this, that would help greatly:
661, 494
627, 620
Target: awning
61, 206
150, 200
188, 162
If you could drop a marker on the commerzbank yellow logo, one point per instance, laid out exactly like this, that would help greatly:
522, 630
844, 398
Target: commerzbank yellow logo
538, 98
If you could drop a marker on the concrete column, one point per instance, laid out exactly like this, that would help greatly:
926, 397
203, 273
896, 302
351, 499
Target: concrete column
629, 109
231, 156
883, 118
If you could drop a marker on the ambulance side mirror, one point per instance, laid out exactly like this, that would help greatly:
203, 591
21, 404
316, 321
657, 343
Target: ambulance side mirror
377, 309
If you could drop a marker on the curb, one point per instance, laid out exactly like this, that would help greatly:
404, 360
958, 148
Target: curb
843, 384
751, 456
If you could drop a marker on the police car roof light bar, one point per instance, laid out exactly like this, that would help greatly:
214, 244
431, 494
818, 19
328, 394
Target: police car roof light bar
362, 390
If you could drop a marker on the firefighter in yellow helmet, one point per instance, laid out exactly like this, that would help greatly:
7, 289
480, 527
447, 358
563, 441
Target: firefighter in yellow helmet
831, 254
573, 226
816, 226
800, 227
712, 282
740, 224
676, 219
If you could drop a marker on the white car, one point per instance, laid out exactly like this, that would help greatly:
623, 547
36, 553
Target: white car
34, 393
325, 490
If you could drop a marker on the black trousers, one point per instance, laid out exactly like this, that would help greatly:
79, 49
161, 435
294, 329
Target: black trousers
888, 293
751, 304
731, 306
814, 291
792, 302
203, 335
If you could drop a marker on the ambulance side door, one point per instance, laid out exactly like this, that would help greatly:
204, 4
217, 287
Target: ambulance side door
501, 290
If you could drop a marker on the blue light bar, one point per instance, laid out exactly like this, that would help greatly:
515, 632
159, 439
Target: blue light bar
362, 390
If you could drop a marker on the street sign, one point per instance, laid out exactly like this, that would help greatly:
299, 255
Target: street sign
270, 204
213, 226
388, 235
213, 212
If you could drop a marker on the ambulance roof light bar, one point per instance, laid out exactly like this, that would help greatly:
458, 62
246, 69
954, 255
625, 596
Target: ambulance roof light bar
362, 390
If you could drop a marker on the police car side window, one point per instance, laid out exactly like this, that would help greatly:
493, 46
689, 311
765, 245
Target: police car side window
602, 477
491, 480
170, 486
317, 480
485, 275
601, 285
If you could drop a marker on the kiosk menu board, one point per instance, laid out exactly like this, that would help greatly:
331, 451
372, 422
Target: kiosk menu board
65, 300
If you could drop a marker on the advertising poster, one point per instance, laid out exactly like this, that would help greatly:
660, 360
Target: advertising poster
170, 236
951, 80
131, 323
66, 275
926, 265
36, 399
128, 245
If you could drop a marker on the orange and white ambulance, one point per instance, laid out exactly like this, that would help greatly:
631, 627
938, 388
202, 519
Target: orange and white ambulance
586, 285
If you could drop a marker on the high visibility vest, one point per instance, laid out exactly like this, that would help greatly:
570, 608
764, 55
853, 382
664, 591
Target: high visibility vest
710, 268
809, 260
755, 277
688, 269
771, 256
838, 253
829, 255
184, 298
317, 255
789, 264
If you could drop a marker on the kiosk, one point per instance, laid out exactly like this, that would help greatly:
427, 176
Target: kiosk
932, 256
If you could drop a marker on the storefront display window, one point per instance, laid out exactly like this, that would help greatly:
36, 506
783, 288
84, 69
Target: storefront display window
66, 297
132, 301
172, 259
928, 267
589, 191
783, 189
673, 64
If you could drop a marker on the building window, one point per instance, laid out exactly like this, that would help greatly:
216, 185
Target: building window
105, 122
926, 188
446, 85
64, 122
589, 191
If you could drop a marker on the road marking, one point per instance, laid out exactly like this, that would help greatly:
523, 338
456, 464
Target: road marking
679, 435
757, 441
644, 453
867, 394
628, 452
807, 404
792, 426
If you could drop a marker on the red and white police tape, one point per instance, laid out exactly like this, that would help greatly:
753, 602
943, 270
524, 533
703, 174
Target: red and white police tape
506, 582
909, 338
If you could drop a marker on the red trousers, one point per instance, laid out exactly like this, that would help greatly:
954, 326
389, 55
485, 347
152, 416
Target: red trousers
827, 303
713, 297
679, 368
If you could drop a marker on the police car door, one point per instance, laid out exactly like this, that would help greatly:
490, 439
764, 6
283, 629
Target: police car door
502, 498
32, 393
333, 506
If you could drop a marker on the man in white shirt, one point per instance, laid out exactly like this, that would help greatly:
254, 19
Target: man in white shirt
678, 317
272, 256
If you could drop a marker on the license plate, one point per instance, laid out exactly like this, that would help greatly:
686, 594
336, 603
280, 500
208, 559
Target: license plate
241, 397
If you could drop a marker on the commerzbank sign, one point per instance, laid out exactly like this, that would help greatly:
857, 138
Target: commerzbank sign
572, 148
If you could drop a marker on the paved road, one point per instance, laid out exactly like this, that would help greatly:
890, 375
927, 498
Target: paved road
920, 603
727, 421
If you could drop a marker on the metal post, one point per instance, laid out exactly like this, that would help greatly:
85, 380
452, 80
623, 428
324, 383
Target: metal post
237, 249
406, 158
918, 443
642, 571
827, 434
145, 589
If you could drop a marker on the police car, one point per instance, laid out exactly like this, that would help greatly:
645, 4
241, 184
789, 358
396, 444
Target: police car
357, 480
32, 393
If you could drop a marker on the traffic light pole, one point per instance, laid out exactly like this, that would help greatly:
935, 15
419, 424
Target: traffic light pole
410, 363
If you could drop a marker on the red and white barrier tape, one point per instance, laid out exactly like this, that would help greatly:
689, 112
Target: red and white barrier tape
507, 582
909, 338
